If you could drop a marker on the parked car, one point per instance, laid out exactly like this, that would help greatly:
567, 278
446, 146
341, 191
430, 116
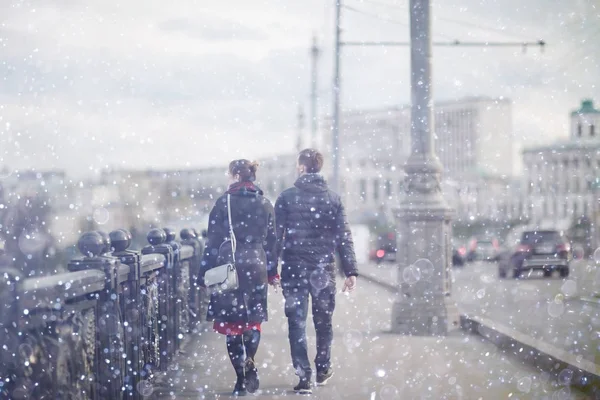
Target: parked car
385, 248
546, 250
483, 249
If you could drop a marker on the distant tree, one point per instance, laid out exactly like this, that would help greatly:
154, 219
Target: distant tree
25, 232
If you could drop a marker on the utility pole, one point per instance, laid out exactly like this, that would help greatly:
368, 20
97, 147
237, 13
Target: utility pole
314, 52
335, 130
300, 128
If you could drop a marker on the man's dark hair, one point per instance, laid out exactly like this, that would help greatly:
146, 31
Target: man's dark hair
311, 159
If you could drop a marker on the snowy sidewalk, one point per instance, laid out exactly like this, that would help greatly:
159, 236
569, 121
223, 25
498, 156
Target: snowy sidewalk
369, 363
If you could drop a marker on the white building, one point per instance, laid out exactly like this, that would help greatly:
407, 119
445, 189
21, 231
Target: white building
474, 139
561, 178
475, 134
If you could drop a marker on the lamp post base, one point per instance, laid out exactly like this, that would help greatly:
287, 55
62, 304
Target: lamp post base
424, 318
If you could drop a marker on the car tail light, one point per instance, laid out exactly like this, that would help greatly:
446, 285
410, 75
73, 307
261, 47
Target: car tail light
473, 245
523, 248
495, 244
563, 247
380, 253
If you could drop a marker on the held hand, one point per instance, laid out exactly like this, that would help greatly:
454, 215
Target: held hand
349, 284
275, 283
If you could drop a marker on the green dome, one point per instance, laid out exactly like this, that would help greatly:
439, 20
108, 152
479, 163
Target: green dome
587, 107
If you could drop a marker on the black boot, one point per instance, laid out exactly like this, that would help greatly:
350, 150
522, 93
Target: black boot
240, 387
251, 372
303, 387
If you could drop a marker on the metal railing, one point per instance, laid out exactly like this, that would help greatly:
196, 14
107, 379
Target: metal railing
106, 328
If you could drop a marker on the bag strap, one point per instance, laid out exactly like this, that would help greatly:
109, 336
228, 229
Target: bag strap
231, 234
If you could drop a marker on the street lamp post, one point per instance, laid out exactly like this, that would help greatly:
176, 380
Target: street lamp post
424, 305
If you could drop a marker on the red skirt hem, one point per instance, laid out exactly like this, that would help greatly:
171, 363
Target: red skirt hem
235, 328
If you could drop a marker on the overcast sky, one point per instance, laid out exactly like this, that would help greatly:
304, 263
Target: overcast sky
90, 83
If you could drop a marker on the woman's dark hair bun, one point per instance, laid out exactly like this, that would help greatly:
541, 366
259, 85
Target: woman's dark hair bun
244, 168
254, 166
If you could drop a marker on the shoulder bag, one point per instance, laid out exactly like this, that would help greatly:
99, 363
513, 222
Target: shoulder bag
224, 278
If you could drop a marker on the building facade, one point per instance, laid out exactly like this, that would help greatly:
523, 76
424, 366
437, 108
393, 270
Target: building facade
475, 134
561, 179
474, 142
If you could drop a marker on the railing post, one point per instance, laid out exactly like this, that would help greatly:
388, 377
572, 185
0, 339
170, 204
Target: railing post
157, 238
109, 333
175, 303
130, 307
10, 360
197, 296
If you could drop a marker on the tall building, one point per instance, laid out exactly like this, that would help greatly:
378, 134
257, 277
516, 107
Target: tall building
561, 179
475, 134
474, 139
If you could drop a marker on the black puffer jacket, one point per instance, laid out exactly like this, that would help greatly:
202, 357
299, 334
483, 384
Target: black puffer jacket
256, 254
311, 227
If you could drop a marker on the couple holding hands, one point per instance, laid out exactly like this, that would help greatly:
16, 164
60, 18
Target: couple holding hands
305, 229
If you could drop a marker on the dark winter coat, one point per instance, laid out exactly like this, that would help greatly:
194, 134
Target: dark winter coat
311, 227
256, 254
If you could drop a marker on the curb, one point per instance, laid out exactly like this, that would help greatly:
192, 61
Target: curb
566, 366
379, 282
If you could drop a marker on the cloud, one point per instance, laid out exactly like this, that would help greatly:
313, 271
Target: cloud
215, 29
139, 84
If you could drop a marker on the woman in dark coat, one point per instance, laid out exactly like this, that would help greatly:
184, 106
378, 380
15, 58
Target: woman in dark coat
238, 314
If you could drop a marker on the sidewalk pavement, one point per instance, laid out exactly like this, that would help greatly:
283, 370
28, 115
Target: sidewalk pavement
369, 362
548, 316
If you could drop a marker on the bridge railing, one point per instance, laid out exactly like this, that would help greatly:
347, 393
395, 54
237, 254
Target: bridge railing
106, 328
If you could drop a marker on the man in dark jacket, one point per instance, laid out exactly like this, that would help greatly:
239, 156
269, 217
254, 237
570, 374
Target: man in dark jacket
311, 227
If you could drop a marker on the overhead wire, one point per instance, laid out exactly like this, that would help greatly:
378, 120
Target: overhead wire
373, 15
386, 19
449, 20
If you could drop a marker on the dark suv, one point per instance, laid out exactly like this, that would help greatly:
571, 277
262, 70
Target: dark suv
545, 250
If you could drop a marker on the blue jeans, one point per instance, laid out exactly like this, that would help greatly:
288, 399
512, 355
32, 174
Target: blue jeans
296, 310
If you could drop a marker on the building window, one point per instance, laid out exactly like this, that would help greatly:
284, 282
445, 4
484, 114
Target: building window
388, 188
592, 132
363, 190
579, 129
585, 208
565, 209
545, 209
575, 210
375, 189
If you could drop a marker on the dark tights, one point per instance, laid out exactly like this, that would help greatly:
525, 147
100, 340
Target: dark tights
237, 344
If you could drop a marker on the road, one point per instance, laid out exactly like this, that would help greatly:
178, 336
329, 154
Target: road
544, 308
